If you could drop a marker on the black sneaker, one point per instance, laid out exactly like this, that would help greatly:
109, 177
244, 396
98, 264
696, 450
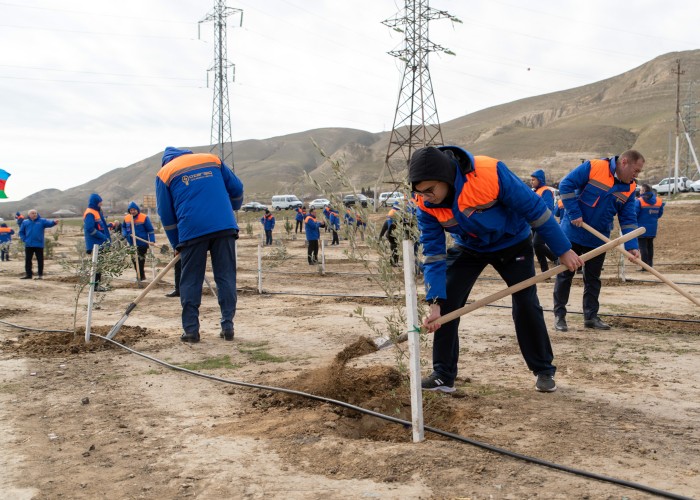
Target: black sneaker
560, 324
596, 323
435, 382
26, 277
226, 334
192, 338
545, 383
174, 293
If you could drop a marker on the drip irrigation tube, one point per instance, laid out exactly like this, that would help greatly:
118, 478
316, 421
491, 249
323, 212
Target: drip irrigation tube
35, 329
406, 423
629, 316
661, 282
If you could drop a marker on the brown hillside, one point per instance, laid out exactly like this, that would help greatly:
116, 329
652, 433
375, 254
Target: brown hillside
632, 110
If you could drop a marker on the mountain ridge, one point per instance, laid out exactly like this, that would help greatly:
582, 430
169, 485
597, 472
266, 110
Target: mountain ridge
633, 110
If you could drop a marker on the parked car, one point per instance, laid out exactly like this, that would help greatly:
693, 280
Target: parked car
667, 186
351, 199
319, 203
395, 198
285, 202
383, 196
695, 186
253, 206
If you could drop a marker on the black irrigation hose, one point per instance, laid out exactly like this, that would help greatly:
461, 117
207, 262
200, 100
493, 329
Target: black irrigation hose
35, 329
629, 316
661, 282
406, 423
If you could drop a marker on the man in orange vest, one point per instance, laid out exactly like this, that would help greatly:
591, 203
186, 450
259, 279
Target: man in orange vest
489, 212
538, 182
649, 208
594, 192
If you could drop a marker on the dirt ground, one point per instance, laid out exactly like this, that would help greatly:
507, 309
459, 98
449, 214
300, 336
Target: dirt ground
96, 421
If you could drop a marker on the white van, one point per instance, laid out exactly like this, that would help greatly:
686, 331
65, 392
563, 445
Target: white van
285, 202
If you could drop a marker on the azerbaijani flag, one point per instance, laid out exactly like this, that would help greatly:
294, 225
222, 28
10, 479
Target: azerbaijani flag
4, 175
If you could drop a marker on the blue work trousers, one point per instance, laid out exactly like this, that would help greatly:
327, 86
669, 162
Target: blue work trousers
194, 262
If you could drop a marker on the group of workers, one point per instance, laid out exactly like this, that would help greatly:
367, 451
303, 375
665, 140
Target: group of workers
493, 217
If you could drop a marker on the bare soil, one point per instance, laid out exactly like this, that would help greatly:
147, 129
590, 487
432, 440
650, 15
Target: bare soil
94, 420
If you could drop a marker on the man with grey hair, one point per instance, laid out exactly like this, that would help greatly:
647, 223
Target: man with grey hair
31, 232
594, 192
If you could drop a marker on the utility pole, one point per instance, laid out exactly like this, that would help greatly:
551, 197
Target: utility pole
678, 74
416, 122
221, 113
689, 125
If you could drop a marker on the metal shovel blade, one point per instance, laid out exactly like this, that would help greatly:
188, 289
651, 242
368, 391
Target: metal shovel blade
385, 342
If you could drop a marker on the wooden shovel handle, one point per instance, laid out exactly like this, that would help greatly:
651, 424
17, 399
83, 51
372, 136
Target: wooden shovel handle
642, 264
535, 279
155, 281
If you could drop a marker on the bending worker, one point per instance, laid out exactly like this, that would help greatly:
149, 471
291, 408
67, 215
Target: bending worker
489, 212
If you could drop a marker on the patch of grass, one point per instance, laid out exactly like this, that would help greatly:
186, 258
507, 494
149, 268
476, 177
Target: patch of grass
257, 351
153, 372
210, 364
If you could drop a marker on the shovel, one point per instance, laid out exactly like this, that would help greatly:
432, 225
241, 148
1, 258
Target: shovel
643, 265
138, 299
383, 342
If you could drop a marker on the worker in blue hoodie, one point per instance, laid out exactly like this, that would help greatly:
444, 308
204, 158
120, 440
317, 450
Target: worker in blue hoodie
490, 213
196, 194
32, 234
268, 222
313, 234
649, 208
5, 241
144, 234
538, 182
334, 219
595, 192
96, 231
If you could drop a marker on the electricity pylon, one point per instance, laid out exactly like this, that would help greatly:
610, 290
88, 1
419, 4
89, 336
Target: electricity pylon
221, 112
416, 122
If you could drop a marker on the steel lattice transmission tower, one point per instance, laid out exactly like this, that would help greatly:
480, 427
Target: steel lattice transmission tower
221, 112
416, 122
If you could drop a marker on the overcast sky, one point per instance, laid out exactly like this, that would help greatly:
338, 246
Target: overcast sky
87, 86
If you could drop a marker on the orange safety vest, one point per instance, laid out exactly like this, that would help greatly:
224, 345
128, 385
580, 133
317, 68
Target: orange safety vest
645, 203
187, 163
95, 214
602, 178
140, 219
5, 229
541, 190
480, 192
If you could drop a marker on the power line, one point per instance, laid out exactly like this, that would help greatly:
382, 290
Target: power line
97, 33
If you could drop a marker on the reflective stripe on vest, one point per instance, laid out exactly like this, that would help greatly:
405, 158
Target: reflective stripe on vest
602, 178
187, 163
480, 192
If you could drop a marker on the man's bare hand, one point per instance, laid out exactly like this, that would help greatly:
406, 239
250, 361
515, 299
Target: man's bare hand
577, 222
571, 260
429, 322
636, 255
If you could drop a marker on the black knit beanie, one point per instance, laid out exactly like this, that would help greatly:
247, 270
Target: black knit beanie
431, 164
